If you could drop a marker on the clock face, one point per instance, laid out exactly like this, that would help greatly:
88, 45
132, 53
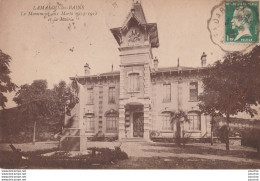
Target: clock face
134, 36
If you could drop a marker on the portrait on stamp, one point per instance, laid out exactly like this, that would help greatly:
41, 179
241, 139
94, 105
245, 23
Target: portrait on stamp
241, 22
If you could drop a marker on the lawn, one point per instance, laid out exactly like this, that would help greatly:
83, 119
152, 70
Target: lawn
176, 163
150, 155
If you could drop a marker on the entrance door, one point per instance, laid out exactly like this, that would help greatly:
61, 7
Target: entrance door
138, 124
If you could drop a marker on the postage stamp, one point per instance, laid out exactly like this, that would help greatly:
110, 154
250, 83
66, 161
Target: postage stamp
241, 21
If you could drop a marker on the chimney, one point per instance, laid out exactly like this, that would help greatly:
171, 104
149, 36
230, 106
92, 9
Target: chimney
178, 64
155, 62
203, 59
87, 69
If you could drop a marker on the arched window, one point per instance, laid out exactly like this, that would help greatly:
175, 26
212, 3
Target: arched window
194, 121
111, 121
89, 122
166, 121
134, 82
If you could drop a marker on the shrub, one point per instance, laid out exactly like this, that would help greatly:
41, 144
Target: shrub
100, 136
62, 159
251, 138
154, 134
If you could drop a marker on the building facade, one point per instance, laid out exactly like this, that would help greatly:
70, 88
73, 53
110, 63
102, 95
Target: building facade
140, 98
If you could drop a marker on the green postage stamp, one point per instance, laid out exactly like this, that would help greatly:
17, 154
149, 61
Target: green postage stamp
241, 21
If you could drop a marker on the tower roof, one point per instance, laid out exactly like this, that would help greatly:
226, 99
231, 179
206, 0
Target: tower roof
137, 13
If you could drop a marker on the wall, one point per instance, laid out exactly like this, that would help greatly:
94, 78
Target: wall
180, 100
100, 103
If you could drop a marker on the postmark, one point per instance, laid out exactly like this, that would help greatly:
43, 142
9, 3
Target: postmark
241, 21
216, 26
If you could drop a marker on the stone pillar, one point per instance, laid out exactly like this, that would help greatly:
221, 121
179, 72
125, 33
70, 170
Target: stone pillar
147, 81
73, 136
147, 122
122, 91
121, 126
82, 130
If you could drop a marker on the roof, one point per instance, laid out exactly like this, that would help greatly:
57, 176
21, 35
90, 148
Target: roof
166, 69
138, 14
160, 70
111, 73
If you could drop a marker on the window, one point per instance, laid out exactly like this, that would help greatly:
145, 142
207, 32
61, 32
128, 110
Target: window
111, 95
195, 122
112, 120
89, 122
134, 82
166, 92
193, 91
167, 123
90, 96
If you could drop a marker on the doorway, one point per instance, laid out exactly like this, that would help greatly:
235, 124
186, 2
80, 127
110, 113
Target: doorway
138, 124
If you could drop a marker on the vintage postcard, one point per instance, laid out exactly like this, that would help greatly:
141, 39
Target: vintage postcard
127, 84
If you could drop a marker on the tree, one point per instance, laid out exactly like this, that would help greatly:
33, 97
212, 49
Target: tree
249, 77
65, 99
177, 116
61, 91
6, 85
38, 103
35, 102
226, 90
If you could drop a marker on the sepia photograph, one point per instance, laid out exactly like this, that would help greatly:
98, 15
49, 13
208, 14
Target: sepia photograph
127, 84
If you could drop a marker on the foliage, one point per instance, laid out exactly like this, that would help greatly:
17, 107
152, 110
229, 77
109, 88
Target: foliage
225, 89
6, 85
232, 86
64, 101
250, 74
39, 104
72, 97
100, 136
178, 116
154, 134
35, 101
251, 138
222, 133
62, 159
65, 97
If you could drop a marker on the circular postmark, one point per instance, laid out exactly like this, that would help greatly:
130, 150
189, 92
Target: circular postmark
225, 30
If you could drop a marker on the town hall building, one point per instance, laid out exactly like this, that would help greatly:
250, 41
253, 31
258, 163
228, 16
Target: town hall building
142, 97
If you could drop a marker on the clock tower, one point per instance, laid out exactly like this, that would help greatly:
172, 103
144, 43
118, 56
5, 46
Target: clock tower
135, 38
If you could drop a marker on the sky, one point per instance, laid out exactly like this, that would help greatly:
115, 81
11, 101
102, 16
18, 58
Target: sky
42, 48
